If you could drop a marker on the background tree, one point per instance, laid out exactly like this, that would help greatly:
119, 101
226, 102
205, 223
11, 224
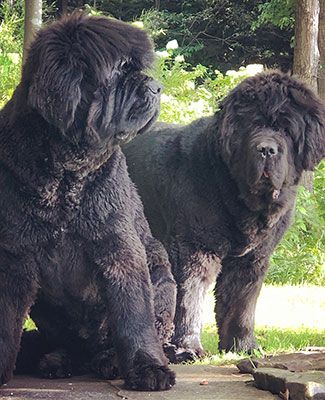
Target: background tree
306, 54
321, 47
33, 22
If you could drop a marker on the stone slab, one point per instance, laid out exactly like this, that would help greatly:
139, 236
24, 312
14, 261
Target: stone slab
221, 383
308, 385
312, 359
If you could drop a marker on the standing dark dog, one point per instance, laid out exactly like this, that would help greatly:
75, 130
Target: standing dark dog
72, 229
220, 193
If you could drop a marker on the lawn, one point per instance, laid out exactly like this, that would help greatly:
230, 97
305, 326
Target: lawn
288, 318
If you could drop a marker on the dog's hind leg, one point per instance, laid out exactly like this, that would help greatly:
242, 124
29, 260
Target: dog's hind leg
18, 287
194, 272
164, 289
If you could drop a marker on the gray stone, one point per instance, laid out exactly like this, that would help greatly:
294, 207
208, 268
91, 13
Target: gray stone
296, 362
308, 385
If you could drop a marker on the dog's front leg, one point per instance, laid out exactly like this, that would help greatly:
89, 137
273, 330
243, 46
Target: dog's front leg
18, 287
124, 282
194, 271
236, 293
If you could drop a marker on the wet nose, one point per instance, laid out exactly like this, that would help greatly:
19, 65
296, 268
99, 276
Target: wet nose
154, 86
267, 149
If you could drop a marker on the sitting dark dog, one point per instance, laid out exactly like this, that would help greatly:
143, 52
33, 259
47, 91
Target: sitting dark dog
73, 233
220, 194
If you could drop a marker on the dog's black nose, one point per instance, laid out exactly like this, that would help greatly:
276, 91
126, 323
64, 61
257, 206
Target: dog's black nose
154, 86
267, 149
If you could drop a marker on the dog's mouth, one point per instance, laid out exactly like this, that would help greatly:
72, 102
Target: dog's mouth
127, 137
149, 124
268, 184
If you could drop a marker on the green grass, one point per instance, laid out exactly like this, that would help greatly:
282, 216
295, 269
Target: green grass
271, 341
288, 319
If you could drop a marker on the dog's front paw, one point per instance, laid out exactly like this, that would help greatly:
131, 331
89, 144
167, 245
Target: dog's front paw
186, 349
105, 364
150, 377
178, 355
148, 373
55, 365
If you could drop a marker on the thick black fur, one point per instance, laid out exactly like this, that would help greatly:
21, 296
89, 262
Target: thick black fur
220, 192
74, 242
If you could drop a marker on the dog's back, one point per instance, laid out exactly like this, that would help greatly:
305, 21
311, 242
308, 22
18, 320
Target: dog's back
158, 163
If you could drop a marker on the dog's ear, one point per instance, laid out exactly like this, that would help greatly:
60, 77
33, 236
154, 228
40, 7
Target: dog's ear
55, 91
312, 140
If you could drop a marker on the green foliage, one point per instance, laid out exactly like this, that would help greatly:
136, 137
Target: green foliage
300, 257
192, 92
214, 33
11, 42
280, 13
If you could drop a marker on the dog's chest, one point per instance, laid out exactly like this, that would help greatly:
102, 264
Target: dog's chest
28, 219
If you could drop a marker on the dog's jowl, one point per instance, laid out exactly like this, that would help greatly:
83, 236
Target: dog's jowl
220, 193
75, 248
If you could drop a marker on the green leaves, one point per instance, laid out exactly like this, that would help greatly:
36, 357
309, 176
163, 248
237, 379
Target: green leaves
300, 257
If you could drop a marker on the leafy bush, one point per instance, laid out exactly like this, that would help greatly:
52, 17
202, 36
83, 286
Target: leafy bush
280, 13
192, 92
300, 257
11, 43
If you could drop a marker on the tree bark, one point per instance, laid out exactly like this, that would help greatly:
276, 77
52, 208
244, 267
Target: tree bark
306, 54
32, 23
321, 47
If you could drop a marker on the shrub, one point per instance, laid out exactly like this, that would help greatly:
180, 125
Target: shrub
300, 257
192, 92
11, 43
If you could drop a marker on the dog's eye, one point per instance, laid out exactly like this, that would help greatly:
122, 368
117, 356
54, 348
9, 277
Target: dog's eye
125, 66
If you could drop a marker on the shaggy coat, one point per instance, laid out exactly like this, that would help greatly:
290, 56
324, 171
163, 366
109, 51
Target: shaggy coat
220, 192
74, 242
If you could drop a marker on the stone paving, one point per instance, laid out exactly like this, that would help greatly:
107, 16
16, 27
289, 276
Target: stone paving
223, 383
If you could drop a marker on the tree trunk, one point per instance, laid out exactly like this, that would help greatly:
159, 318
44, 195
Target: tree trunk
321, 47
33, 22
306, 54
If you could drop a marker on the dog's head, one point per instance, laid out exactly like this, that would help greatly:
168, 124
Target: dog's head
84, 76
271, 128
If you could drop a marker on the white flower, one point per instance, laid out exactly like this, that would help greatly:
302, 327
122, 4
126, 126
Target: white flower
231, 72
179, 58
253, 69
172, 45
189, 85
13, 57
163, 54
